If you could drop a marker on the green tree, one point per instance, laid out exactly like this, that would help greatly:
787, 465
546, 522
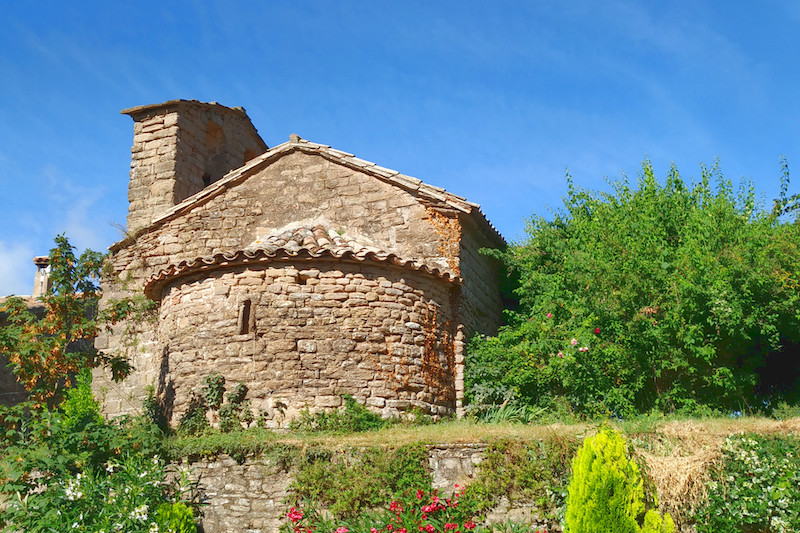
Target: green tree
668, 296
47, 353
606, 491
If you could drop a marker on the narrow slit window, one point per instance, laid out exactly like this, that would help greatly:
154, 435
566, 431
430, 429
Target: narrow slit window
247, 320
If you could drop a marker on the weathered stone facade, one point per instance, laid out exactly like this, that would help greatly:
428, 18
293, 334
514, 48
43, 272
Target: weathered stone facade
382, 317
376, 333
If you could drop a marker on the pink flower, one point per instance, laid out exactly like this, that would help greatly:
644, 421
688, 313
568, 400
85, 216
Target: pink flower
469, 524
428, 528
342, 530
574, 341
420, 494
583, 349
549, 315
373, 530
402, 530
394, 506
295, 515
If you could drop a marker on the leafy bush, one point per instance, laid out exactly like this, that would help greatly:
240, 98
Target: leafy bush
234, 414
70, 469
670, 296
415, 510
606, 490
347, 483
755, 487
175, 518
79, 407
45, 353
352, 418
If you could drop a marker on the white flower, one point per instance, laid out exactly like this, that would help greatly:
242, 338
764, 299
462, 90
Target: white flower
140, 513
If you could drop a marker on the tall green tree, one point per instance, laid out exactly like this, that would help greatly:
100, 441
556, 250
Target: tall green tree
669, 296
46, 353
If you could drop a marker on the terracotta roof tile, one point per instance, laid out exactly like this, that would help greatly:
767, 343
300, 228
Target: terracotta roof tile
306, 243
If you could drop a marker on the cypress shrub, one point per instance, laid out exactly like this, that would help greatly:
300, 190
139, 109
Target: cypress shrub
605, 494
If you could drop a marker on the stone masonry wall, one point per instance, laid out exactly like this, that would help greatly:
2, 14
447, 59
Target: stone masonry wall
297, 188
311, 332
176, 145
254, 497
482, 308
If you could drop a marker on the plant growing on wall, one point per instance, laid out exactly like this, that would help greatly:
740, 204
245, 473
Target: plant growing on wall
46, 353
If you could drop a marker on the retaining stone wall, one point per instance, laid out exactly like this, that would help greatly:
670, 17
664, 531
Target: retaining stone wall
253, 497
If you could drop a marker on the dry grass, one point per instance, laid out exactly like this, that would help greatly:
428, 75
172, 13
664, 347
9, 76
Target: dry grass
452, 432
679, 456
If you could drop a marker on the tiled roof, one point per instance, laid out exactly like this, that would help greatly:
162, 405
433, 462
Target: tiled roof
304, 243
435, 196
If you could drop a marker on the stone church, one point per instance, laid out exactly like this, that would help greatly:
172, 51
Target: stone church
301, 270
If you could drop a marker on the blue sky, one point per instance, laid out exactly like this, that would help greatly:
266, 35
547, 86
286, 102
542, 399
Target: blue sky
491, 100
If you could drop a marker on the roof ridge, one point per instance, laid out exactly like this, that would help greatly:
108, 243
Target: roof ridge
295, 142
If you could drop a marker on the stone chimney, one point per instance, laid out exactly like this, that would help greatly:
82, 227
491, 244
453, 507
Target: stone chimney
181, 147
41, 282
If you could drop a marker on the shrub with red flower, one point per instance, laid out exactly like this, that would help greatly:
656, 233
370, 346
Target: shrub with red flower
417, 511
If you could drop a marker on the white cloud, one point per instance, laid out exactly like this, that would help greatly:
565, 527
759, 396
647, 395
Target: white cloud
16, 269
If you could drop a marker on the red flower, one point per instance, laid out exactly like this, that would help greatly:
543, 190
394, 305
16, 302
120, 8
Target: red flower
469, 524
449, 526
342, 530
295, 515
394, 506
420, 494
549, 315
596, 331
429, 528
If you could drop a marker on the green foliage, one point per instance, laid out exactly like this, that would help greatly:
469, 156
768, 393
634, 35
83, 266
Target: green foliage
45, 353
606, 491
233, 415
213, 390
674, 297
415, 510
70, 469
507, 412
194, 421
175, 518
79, 407
354, 417
349, 482
756, 487
655, 523
534, 472
239, 444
